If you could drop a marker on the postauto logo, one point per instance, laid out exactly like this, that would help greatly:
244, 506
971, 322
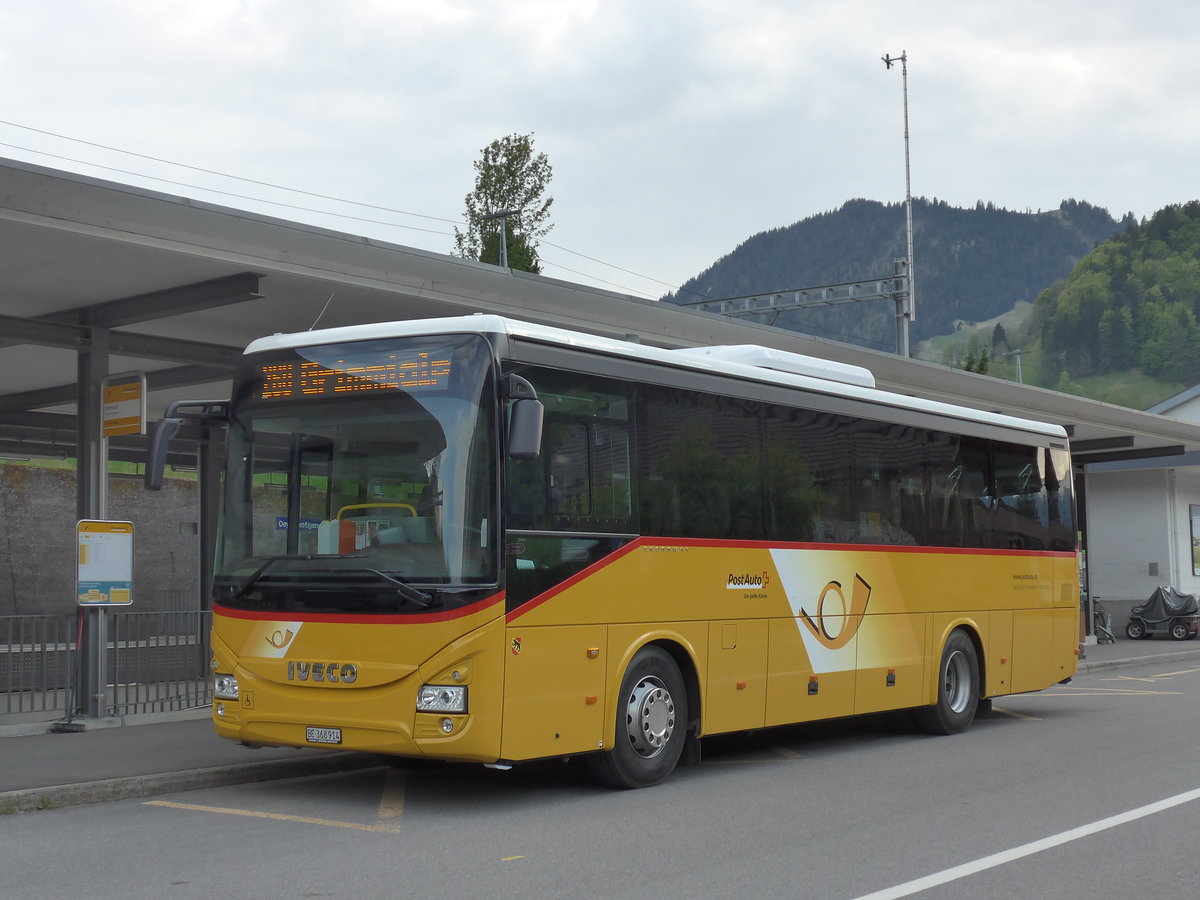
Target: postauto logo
746, 581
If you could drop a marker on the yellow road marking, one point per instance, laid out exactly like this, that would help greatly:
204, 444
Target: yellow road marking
1013, 714
510, 858
1104, 692
391, 804
784, 752
277, 817
1114, 693
748, 762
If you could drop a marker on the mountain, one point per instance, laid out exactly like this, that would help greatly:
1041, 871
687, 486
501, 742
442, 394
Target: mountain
1132, 303
970, 264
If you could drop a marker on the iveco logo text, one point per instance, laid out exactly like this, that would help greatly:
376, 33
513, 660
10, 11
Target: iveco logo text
737, 582
331, 673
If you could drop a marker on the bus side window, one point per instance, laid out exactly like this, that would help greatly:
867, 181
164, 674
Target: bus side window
888, 463
1060, 528
960, 491
612, 476
1023, 514
582, 480
701, 464
570, 468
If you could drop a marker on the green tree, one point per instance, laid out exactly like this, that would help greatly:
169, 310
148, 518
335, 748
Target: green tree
509, 177
999, 339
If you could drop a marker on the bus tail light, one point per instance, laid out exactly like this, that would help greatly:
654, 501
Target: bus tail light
437, 698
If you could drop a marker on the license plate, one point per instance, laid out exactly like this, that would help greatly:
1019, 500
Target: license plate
323, 735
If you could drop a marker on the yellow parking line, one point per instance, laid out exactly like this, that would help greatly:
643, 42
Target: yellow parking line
781, 756
1115, 693
278, 817
1013, 714
1120, 692
784, 752
391, 804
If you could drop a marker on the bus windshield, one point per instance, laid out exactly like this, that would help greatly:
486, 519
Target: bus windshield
361, 478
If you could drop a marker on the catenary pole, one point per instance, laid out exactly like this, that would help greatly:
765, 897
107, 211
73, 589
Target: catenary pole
906, 311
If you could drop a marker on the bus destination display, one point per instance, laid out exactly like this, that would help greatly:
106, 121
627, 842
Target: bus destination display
297, 379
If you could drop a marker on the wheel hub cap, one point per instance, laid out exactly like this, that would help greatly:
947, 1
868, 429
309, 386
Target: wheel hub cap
957, 681
649, 717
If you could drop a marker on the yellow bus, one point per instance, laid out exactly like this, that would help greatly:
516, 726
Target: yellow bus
479, 539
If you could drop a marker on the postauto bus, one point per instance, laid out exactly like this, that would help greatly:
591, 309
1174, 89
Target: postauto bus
479, 539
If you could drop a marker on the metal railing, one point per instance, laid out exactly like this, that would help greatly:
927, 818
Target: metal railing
154, 662
158, 661
37, 661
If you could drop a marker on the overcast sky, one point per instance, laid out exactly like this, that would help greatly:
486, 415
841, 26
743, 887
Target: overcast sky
676, 130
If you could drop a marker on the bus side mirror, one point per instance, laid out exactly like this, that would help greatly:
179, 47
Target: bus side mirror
524, 418
525, 429
161, 433
204, 412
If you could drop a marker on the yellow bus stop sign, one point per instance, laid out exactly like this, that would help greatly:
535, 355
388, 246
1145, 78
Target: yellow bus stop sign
105, 555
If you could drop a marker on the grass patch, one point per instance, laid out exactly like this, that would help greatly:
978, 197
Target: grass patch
1131, 389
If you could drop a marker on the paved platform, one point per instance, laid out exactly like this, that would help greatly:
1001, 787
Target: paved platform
168, 753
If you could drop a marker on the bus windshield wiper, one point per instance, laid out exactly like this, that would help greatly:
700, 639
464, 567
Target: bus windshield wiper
407, 591
254, 577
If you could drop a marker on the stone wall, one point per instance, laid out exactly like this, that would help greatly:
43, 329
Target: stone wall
38, 541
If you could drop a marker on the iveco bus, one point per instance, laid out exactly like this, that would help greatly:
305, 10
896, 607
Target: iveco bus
485, 540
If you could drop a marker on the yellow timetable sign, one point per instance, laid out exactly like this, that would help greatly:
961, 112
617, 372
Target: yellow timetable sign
125, 404
105, 560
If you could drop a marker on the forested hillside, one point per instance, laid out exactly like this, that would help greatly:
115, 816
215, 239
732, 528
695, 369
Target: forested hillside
971, 264
1131, 303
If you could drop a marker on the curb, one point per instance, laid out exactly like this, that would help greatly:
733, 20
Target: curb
40, 723
138, 786
1101, 665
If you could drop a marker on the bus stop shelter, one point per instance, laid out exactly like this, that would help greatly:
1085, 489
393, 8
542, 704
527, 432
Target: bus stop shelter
99, 279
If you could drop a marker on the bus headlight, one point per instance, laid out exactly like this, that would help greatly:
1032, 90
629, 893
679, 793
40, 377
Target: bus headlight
225, 687
440, 698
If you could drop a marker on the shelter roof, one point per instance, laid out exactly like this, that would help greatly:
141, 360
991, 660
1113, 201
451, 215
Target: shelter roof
176, 288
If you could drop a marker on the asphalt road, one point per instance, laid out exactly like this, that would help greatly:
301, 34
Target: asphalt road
1085, 790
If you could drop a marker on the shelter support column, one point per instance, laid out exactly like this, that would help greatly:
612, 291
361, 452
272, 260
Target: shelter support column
91, 501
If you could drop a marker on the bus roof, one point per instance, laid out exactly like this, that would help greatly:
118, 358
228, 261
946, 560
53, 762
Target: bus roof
747, 362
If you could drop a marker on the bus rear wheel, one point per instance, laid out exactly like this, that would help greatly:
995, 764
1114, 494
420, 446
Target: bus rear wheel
958, 688
652, 721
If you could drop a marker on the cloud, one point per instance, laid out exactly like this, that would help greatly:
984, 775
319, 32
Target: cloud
676, 129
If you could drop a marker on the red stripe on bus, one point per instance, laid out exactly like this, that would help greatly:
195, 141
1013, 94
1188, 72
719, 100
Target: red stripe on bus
718, 543
360, 618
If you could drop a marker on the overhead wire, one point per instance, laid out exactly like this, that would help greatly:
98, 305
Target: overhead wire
291, 190
341, 215
233, 194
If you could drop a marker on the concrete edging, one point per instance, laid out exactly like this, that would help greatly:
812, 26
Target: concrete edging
1087, 667
138, 786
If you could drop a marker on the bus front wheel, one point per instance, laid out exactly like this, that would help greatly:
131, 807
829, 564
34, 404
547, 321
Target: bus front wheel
958, 688
652, 721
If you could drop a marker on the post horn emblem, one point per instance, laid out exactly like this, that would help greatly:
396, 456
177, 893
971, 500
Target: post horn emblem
281, 638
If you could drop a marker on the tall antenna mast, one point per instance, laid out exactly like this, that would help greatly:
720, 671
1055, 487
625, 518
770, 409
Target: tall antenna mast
905, 312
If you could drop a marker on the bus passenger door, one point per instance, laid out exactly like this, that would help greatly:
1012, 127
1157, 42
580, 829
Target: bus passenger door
999, 658
807, 684
1034, 665
891, 662
553, 690
736, 694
